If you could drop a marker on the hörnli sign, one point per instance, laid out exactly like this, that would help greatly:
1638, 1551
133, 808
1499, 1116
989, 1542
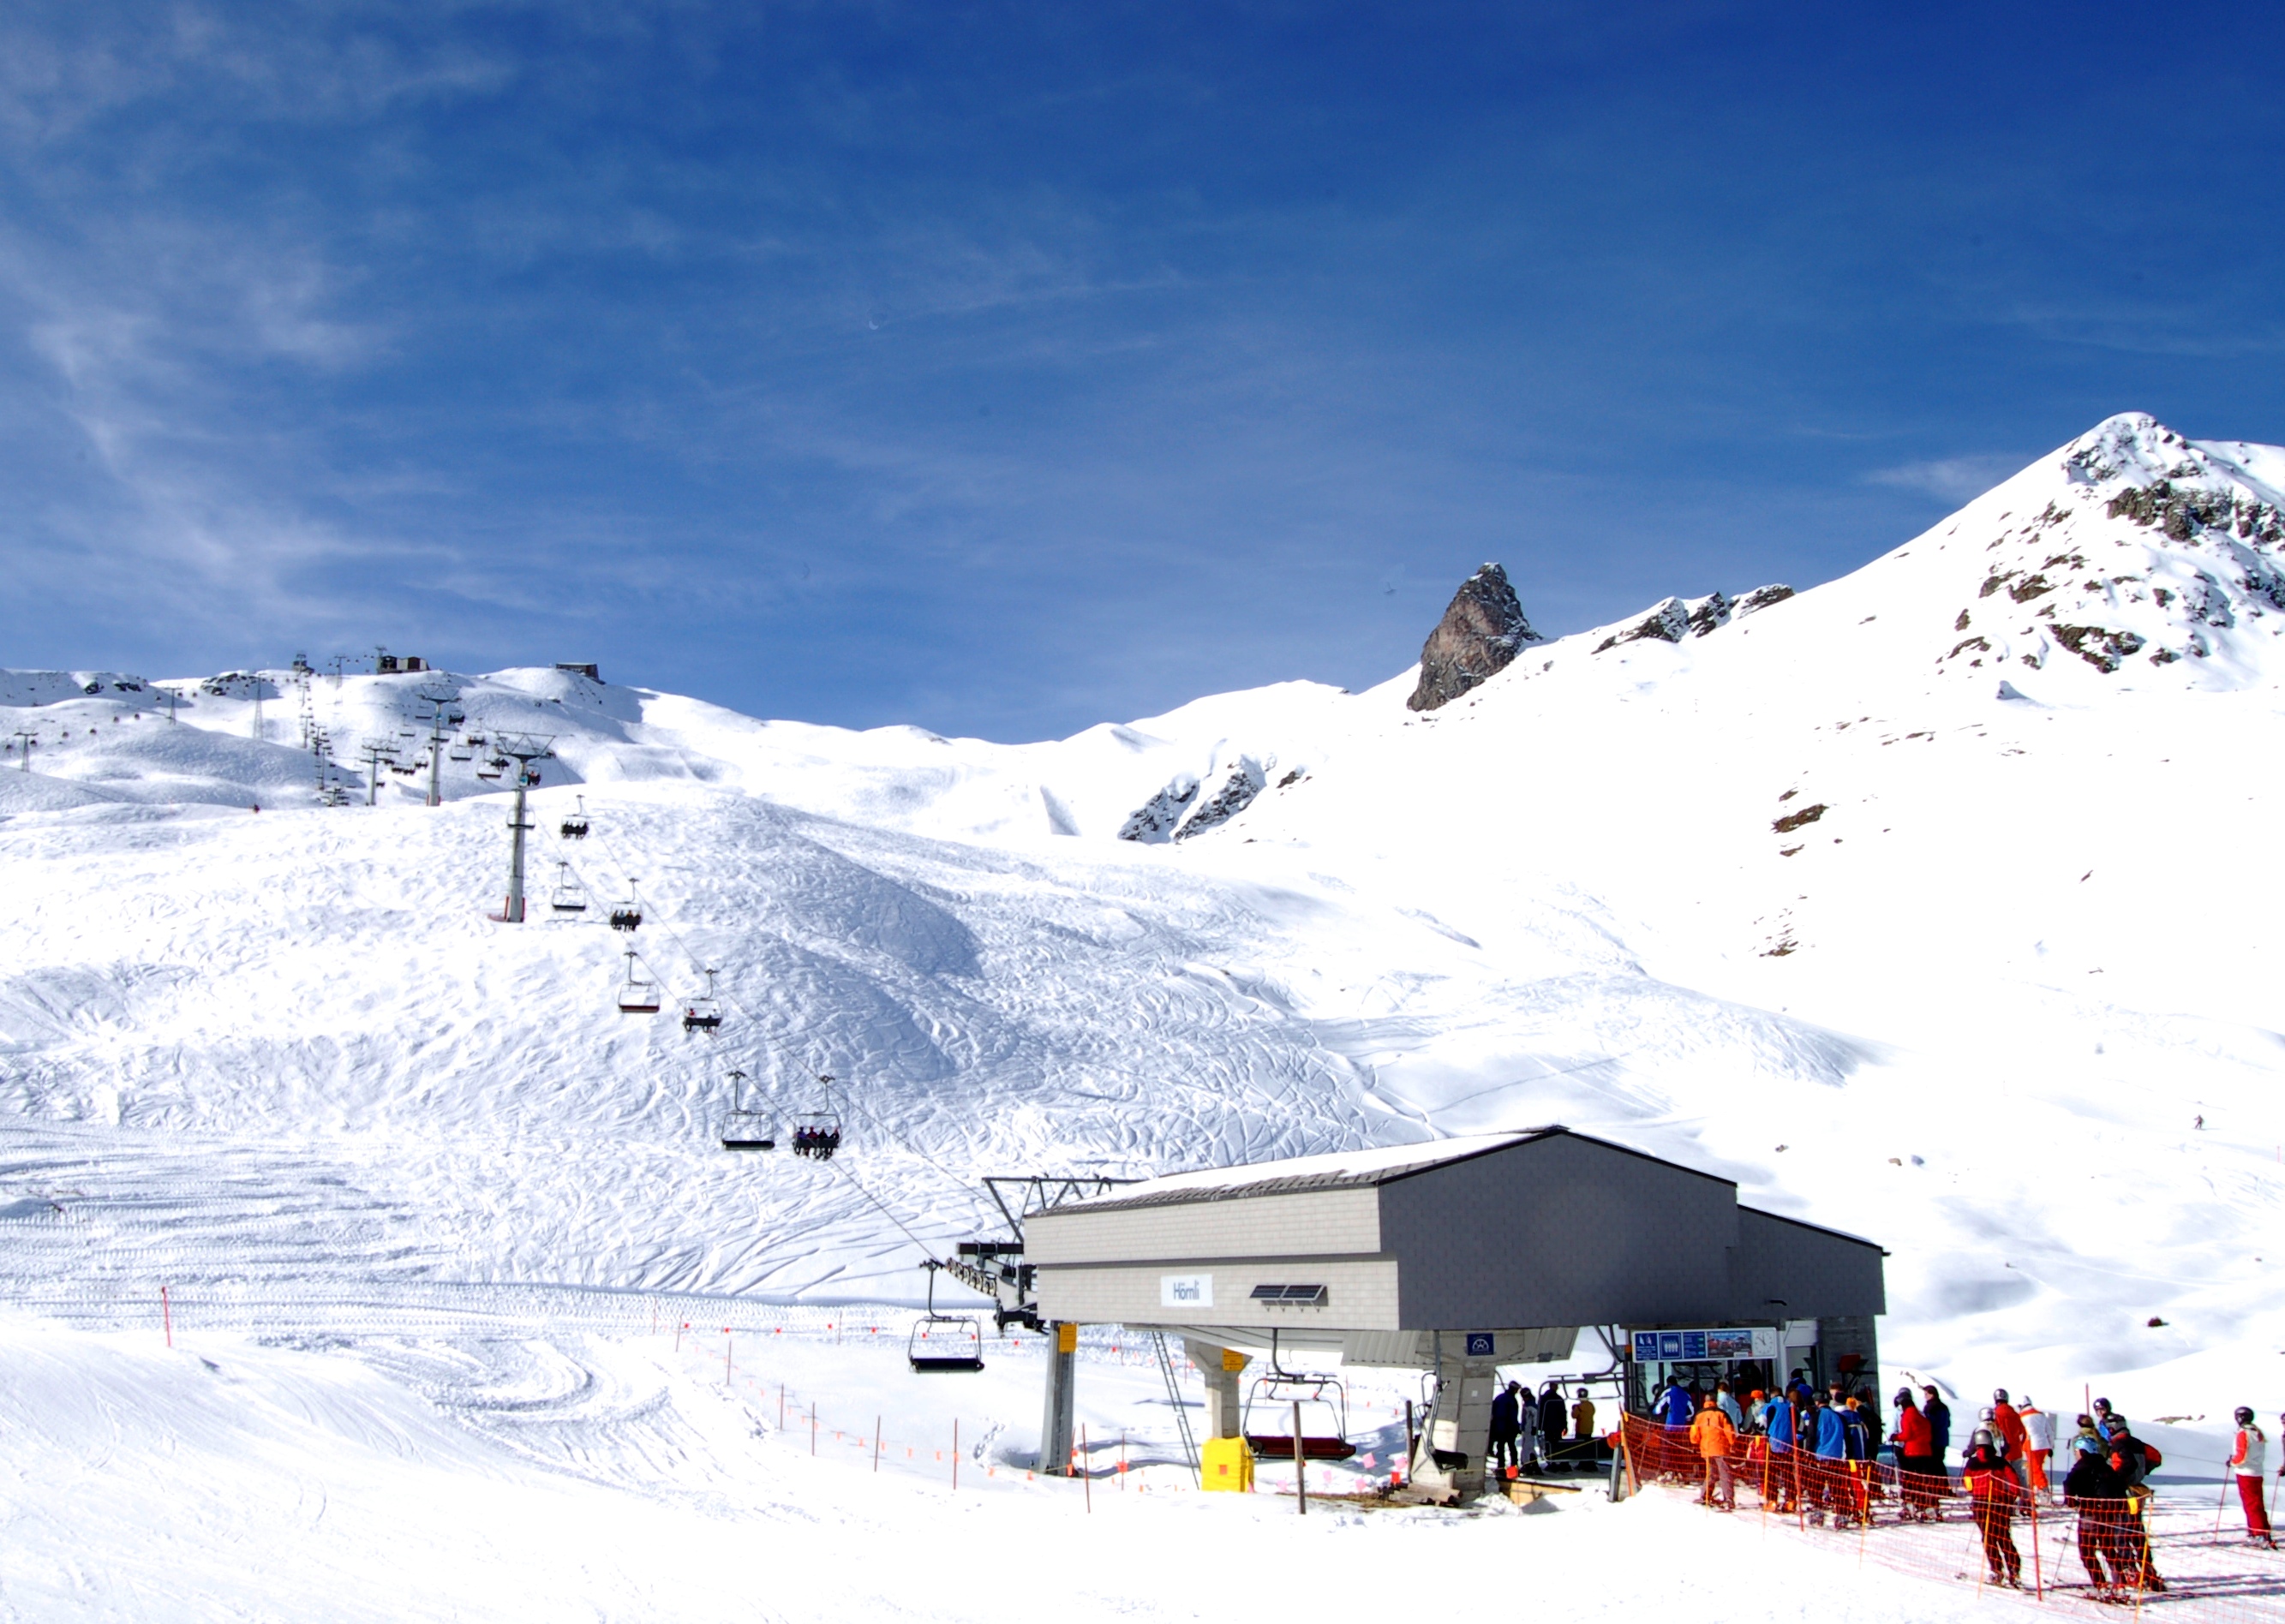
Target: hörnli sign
1186, 1290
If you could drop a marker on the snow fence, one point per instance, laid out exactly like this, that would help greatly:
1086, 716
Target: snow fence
2183, 1552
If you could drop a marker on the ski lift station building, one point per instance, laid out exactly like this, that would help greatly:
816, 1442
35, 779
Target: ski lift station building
1460, 1256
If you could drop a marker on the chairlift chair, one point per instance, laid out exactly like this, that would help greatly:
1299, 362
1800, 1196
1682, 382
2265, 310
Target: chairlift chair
626, 916
638, 996
569, 897
575, 827
744, 1129
1325, 1402
944, 1344
817, 1134
704, 1013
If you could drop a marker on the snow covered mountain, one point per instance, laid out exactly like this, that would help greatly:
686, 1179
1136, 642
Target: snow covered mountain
1924, 903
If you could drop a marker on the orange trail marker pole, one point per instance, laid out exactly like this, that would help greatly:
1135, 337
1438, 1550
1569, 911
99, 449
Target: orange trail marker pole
166, 1317
813, 1426
1086, 1469
876, 1443
2038, 1577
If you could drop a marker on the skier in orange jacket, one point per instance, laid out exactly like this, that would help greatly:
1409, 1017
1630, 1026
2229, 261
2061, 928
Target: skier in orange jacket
1715, 1440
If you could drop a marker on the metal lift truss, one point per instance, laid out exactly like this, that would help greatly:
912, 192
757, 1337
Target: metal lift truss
995, 1268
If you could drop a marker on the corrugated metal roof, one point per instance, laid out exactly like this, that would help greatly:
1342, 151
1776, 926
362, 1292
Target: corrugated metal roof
1342, 1170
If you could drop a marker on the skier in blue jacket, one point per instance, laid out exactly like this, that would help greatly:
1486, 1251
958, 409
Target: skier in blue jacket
1779, 1423
1939, 1420
1826, 1476
1777, 1420
1675, 1408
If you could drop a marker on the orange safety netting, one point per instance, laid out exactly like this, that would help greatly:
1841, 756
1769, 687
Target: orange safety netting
2182, 1551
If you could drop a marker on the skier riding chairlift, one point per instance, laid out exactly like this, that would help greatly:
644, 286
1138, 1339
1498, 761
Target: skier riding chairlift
817, 1134
575, 827
704, 1013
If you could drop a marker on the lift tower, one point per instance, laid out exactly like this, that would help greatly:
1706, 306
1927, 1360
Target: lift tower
436, 718
525, 749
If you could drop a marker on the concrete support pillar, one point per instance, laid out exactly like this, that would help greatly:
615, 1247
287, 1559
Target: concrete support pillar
1220, 1368
1057, 1420
1456, 1443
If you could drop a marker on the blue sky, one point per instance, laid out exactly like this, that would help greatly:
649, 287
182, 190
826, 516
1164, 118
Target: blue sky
1008, 368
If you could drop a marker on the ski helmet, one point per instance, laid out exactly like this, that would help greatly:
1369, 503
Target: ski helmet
1999, 1395
2245, 1415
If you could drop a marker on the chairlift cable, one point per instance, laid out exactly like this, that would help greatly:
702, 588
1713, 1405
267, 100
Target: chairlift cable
927, 1251
730, 998
966, 1186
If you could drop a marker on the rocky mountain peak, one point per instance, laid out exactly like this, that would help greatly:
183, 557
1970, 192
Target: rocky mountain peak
2151, 547
1480, 633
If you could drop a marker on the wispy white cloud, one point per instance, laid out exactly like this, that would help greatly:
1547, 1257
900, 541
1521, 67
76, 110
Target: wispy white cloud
1955, 479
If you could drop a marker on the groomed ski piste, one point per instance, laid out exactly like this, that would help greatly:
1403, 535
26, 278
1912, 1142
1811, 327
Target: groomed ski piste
1931, 904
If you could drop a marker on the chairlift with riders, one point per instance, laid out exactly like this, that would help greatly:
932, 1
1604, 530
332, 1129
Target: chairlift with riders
575, 827
943, 1344
704, 1012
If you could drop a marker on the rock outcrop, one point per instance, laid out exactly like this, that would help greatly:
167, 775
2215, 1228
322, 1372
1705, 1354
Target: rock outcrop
1479, 635
1236, 795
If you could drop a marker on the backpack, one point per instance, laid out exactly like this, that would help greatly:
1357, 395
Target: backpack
2151, 1458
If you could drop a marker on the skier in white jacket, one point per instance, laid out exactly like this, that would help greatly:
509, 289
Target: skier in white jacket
2038, 1441
2249, 1460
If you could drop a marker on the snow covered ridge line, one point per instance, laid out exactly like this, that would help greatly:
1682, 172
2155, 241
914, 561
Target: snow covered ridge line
26, 688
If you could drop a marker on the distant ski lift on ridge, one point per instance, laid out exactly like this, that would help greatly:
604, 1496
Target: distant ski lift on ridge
575, 827
638, 996
744, 1129
704, 1013
569, 897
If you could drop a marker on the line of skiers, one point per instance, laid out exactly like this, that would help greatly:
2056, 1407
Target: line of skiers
1530, 1432
1815, 1453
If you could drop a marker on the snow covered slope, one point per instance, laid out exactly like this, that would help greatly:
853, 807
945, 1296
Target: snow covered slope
1918, 903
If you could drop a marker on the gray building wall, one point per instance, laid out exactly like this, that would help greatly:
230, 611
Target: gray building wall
1784, 1270
1361, 1293
1297, 1223
1559, 1230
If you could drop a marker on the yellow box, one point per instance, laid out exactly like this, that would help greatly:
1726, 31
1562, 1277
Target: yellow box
1226, 1466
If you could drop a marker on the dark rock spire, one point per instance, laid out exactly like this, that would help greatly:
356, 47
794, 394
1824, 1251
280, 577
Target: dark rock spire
1480, 633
